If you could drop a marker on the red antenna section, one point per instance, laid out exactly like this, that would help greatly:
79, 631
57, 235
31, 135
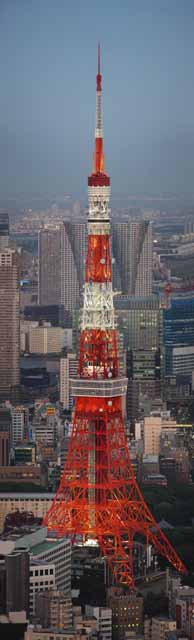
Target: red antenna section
98, 177
98, 77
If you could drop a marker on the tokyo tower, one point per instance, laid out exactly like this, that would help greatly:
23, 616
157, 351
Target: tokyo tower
98, 497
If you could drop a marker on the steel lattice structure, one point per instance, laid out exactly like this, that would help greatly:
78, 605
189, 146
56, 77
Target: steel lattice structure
98, 496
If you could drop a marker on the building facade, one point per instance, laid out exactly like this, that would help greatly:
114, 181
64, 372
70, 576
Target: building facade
103, 616
61, 250
9, 323
54, 610
57, 552
139, 323
42, 578
68, 369
17, 580
178, 335
4, 230
37, 503
132, 251
5, 436
127, 613
17, 428
152, 433
49, 265
46, 339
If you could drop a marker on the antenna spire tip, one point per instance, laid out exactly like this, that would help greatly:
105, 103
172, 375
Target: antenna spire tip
99, 58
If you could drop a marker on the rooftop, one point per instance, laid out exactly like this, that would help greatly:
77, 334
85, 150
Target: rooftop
47, 545
150, 458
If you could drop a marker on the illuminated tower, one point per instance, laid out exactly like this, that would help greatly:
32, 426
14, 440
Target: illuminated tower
98, 496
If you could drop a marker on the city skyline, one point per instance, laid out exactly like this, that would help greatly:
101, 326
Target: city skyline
96, 321
46, 116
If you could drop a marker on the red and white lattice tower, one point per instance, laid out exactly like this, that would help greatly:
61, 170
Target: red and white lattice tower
98, 496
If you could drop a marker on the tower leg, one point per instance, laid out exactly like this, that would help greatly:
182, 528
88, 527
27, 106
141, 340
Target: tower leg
118, 551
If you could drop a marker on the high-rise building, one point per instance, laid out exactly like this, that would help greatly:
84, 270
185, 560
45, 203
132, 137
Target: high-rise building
132, 251
5, 433
62, 255
73, 259
139, 323
4, 230
17, 580
61, 249
178, 335
9, 323
49, 262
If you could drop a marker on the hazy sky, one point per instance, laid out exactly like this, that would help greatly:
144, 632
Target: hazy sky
48, 51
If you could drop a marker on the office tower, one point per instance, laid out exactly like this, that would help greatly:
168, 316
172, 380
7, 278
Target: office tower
74, 251
49, 263
68, 369
9, 323
132, 251
5, 433
98, 496
61, 250
139, 321
4, 230
178, 336
17, 580
143, 370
